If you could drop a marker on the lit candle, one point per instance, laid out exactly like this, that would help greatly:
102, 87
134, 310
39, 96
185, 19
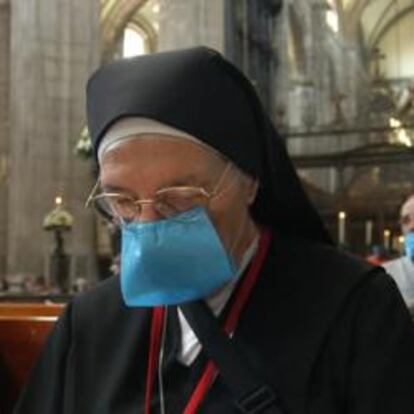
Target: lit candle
341, 227
387, 239
401, 246
368, 232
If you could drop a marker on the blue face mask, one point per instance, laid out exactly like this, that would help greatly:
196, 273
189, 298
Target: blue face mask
172, 261
409, 245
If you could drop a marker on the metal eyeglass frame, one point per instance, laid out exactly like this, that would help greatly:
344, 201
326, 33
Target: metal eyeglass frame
138, 203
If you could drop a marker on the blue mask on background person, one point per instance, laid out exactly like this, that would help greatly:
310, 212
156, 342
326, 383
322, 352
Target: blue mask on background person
409, 245
172, 261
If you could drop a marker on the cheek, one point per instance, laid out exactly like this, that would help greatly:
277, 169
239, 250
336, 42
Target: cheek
228, 222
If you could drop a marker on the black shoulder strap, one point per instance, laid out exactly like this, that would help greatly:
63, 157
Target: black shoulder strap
252, 394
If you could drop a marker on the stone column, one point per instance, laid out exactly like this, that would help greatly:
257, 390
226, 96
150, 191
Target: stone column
318, 59
54, 48
4, 125
282, 75
187, 23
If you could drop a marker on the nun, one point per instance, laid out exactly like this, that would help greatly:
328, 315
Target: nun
231, 296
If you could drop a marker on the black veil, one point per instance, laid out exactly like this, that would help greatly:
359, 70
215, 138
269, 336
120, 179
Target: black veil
198, 91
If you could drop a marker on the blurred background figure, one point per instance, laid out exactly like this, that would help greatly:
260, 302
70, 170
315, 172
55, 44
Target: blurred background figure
378, 255
80, 285
402, 268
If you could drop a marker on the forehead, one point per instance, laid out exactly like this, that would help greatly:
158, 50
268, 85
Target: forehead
408, 207
145, 145
157, 160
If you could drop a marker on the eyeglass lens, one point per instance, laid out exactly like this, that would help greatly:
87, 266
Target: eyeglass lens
167, 203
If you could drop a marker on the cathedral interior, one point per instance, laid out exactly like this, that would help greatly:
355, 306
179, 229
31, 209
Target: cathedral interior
336, 76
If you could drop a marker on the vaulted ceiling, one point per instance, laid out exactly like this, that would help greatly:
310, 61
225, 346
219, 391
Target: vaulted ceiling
381, 16
387, 24
376, 16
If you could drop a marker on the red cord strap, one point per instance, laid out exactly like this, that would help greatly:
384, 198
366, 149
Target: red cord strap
154, 350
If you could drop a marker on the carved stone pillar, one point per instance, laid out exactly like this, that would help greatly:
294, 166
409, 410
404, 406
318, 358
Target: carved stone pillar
54, 48
4, 126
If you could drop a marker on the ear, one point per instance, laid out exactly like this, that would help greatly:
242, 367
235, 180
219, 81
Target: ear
251, 187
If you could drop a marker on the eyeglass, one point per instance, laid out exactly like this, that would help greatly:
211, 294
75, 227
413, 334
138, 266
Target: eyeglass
168, 202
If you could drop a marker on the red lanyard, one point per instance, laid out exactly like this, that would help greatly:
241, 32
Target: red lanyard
210, 372
155, 344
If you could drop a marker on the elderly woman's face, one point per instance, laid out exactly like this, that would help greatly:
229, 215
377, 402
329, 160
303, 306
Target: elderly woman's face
142, 166
407, 216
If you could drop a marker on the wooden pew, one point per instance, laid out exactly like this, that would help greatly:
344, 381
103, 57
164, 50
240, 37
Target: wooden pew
30, 309
24, 328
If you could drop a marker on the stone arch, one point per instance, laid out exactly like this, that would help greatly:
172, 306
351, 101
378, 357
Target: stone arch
115, 15
390, 23
145, 25
352, 18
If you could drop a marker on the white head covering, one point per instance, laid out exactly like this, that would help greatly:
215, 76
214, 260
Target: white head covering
127, 129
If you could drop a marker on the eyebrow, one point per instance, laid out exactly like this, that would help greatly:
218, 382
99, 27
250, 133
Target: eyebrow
115, 189
188, 180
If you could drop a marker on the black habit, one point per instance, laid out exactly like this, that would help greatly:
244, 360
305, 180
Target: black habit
329, 333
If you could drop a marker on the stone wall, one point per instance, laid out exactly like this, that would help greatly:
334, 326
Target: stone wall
54, 48
4, 125
187, 23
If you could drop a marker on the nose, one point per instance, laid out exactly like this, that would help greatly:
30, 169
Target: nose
148, 213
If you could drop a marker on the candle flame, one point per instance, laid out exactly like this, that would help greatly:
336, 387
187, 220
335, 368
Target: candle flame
58, 201
395, 123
